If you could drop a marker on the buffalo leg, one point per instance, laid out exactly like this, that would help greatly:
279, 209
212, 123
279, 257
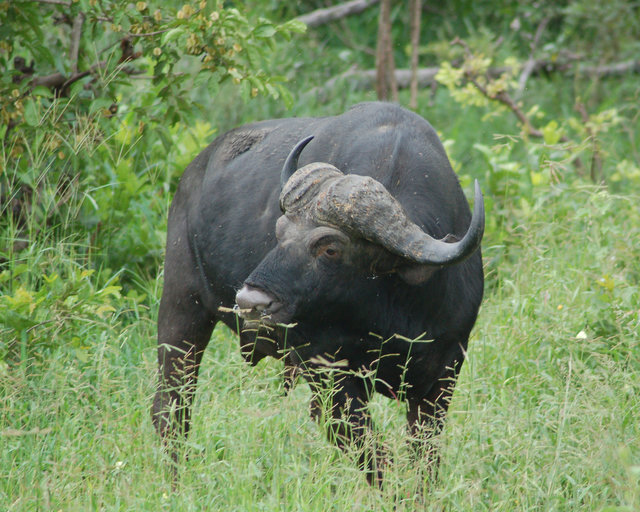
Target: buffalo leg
348, 422
426, 415
183, 335
184, 329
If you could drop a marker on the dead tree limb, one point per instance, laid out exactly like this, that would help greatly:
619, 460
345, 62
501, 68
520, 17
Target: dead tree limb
66, 3
76, 34
336, 12
531, 61
59, 82
365, 79
619, 68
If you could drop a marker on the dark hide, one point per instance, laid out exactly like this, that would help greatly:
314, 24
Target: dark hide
356, 305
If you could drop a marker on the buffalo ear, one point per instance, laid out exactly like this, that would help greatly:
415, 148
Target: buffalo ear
416, 274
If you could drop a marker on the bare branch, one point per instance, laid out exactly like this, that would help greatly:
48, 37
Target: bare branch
322, 16
530, 64
345, 34
53, 81
619, 68
465, 46
76, 34
149, 34
79, 76
66, 3
365, 79
58, 81
504, 98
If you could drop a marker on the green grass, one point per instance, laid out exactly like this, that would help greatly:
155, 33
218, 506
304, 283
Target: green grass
545, 416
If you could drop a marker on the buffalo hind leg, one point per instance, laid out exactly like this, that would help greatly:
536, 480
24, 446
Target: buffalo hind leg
426, 416
184, 329
348, 422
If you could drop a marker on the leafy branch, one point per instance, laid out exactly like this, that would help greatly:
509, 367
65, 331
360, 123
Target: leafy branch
474, 82
79, 138
496, 89
220, 42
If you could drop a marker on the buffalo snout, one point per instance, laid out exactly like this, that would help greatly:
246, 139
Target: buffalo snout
255, 304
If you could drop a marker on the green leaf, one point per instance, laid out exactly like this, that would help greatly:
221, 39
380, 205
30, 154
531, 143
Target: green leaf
172, 35
100, 103
257, 83
294, 26
286, 95
43, 91
31, 116
551, 133
273, 92
165, 137
264, 31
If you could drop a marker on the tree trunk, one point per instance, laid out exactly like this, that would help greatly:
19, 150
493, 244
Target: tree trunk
385, 64
415, 8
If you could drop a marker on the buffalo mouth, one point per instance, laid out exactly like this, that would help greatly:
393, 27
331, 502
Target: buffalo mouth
256, 305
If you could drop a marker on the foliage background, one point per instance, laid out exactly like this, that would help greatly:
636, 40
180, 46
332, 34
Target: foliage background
546, 411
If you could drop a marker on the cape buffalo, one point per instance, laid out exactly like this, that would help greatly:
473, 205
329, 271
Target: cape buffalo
367, 249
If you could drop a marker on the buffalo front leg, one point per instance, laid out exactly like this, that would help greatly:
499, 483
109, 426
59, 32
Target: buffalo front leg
426, 416
184, 329
343, 406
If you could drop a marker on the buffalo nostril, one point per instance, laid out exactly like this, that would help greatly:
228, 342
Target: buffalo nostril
252, 299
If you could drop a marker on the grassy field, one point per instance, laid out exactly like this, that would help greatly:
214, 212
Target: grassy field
545, 416
546, 413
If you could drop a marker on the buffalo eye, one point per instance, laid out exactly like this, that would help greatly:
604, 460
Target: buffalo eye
331, 252
327, 244
327, 251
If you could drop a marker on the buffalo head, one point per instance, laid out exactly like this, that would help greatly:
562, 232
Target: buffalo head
337, 234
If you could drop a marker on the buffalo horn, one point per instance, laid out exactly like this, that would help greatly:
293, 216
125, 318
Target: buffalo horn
291, 163
364, 207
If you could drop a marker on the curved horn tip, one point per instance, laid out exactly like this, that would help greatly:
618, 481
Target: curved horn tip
291, 163
304, 141
478, 190
477, 219
478, 201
